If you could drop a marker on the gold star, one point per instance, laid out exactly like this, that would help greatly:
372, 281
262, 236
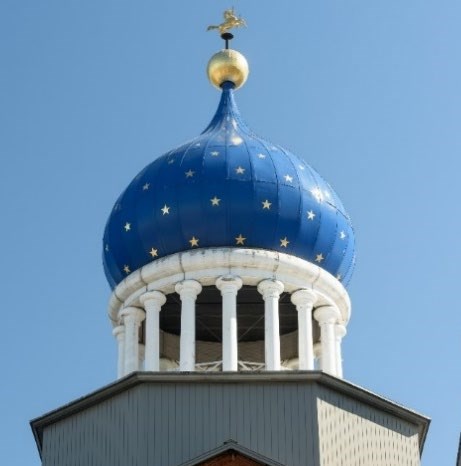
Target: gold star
319, 258
342, 235
153, 252
240, 170
107, 248
240, 239
215, 153
288, 178
127, 226
215, 201
146, 187
301, 167
170, 161
189, 174
310, 215
194, 242
126, 269
338, 277
266, 204
165, 210
261, 156
284, 242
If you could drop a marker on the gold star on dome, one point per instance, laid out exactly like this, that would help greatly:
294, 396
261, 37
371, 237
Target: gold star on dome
146, 187
126, 269
261, 156
166, 210
288, 178
301, 167
240, 170
197, 145
127, 226
153, 252
284, 242
215, 153
310, 215
107, 248
215, 201
170, 161
342, 235
194, 242
240, 239
189, 174
338, 277
266, 204
319, 258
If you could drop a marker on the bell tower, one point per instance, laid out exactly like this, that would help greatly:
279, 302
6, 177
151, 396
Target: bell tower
228, 259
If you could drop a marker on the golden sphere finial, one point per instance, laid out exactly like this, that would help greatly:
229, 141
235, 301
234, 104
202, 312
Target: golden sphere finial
228, 65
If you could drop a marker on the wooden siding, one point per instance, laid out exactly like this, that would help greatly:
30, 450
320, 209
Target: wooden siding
355, 434
165, 424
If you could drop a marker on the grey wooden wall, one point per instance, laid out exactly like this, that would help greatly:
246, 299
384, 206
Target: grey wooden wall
168, 424
295, 419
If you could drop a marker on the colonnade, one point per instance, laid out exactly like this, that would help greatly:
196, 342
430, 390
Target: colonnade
328, 352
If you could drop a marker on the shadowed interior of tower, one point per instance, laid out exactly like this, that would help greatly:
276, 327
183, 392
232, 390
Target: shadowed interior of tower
250, 315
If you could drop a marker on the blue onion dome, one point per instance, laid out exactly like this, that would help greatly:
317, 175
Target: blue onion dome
228, 188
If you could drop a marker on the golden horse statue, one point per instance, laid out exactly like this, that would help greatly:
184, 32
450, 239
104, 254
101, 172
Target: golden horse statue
231, 20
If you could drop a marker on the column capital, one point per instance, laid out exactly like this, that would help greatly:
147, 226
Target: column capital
270, 288
229, 283
340, 331
118, 331
189, 288
156, 296
303, 297
135, 312
327, 315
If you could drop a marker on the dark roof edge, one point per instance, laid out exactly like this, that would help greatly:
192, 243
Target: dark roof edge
136, 378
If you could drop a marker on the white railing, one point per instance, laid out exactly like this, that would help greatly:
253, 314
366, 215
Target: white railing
216, 366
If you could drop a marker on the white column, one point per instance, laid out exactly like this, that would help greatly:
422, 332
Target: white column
188, 291
132, 318
141, 356
152, 302
271, 290
327, 316
119, 334
229, 286
318, 355
304, 301
340, 332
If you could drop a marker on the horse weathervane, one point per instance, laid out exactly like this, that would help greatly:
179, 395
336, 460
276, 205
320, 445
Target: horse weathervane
231, 21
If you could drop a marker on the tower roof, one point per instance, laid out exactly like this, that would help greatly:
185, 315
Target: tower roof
228, 187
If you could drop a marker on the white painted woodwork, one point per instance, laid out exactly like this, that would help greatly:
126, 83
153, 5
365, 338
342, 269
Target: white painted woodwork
229, 286
340, 332
271, 290
152, 302
188, 291
304, 301
327, 316
119, 334
132, 318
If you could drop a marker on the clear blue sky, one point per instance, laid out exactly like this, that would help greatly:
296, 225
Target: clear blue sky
367, 92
